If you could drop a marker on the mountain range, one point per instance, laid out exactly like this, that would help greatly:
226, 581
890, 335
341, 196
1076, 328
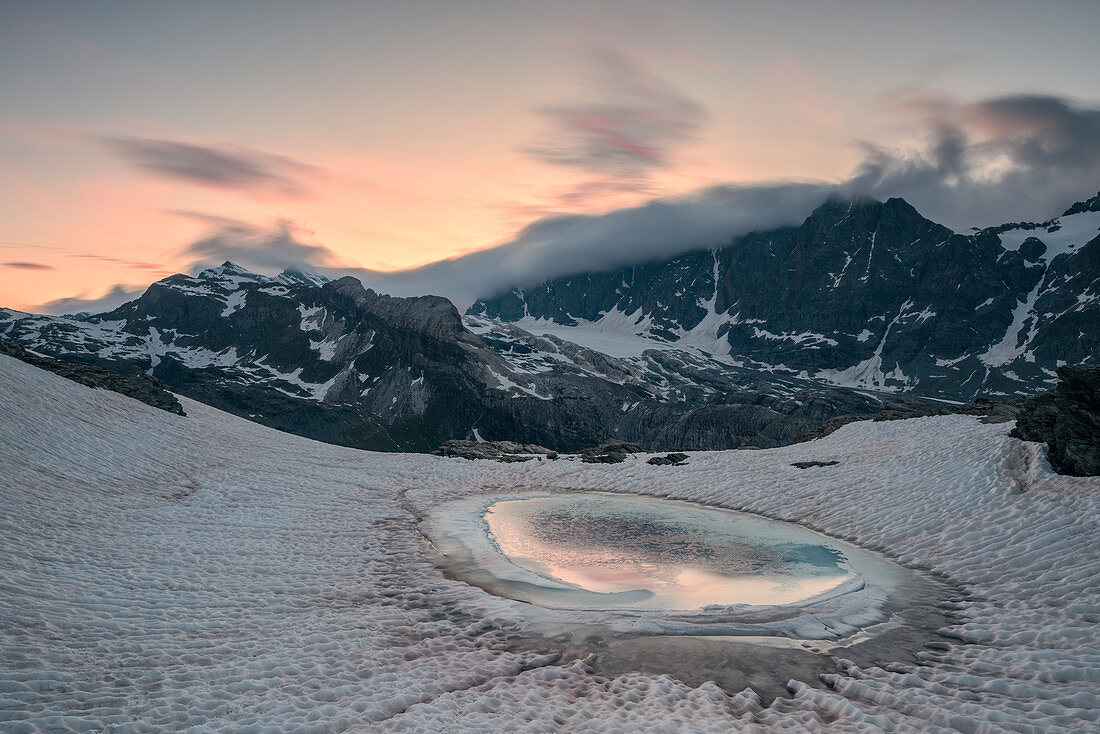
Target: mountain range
746, 345
864, 294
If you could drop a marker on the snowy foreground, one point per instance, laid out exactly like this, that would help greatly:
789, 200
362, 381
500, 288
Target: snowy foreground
205, 573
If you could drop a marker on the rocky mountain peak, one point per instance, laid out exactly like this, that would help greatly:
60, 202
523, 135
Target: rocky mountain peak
837, 207
349, 286
227, 269
864, 294
862, 211
901, 208
432, 315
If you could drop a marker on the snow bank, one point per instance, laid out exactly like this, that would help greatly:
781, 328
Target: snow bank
199, 573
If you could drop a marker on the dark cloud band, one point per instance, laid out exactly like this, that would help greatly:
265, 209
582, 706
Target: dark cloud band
229, 168
21, 265
987, 162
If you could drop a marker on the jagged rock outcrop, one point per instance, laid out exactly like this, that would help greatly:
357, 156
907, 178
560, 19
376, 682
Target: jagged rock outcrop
1067, 419
136, 385
988, 411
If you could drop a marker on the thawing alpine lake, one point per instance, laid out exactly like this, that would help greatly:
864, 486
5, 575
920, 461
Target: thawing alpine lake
650, 553
649, 564
641, 583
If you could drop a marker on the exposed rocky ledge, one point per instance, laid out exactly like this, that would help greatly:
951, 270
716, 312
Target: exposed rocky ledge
612, 452
988, 410
504, 451
1067, 420
137, 385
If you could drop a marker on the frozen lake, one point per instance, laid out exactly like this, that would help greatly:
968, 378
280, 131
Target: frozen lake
638, 583
650, 553
658, 566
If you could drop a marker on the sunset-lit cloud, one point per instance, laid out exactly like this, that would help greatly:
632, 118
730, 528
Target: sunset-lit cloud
626, 124
113, 298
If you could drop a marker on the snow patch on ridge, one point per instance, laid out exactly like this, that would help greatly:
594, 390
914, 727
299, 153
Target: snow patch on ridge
507, 385
234, 303
869, 373
1070, 234
1008, 349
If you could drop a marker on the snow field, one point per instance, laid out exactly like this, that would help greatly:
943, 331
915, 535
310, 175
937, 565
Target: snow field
205, 573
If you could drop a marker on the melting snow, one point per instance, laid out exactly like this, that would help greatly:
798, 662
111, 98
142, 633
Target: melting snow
869, 372
506, 384
810, 338
234, 303
208, 574
622, 335
312, 317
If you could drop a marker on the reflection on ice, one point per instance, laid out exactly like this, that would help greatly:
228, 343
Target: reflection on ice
651, 553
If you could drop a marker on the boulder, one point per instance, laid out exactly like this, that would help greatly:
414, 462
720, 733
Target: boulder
668, 460
1067, 419
611, 452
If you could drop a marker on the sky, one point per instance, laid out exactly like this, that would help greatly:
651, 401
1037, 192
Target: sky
459, 146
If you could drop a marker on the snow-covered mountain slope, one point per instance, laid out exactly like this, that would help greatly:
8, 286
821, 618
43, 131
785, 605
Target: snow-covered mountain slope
863, 294
205, 573
336, 362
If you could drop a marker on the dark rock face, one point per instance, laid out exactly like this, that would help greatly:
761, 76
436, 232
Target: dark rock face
334, 362
750, 345
136, 385
1067, 419
988, 410
1090, 205
863, 294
